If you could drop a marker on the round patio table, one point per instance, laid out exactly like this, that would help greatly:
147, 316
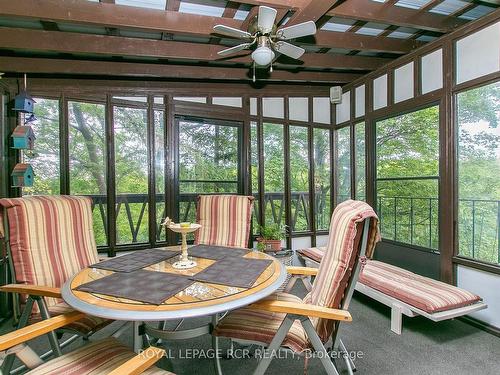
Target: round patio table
198, 299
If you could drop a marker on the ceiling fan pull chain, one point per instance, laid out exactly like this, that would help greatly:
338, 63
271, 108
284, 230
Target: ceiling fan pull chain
253, 71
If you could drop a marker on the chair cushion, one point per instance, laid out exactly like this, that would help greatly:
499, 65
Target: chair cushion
84, 326
261, 326
96, 358
51, 238
422, 292
225, 220
314, 253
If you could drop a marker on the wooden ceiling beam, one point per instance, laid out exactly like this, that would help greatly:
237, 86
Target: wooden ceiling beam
367, 10
62, 42
112, 15
110, 68
312, 11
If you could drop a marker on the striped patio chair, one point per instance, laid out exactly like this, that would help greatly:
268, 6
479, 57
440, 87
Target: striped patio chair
104, 357
225, 220
283, 320
49, 239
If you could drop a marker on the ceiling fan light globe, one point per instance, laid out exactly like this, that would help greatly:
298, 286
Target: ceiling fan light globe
263, 56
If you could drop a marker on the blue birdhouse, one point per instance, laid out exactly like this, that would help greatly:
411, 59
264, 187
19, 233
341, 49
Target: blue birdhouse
22, 175
23, 137
23, 102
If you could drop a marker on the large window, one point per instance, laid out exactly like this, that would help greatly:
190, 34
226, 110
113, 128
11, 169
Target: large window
131, 171
274, 172
45, 157
479, 173
360, 160
87, 160
322, 178
343, 164
407, 177
254, 174
299, 178
159, 139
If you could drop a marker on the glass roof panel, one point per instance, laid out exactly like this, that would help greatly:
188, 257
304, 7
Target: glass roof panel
412, 4
477, 12
75, 28
338, 24
426, 38
448, 7
214, 8
402, 33
139, 34
151, 4
24, 23
242, 12
372, 28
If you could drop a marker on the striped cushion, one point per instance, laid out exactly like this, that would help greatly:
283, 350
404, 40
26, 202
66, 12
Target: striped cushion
340, 258
85, 326
51, 238
419, 291
96, 358
224, 219
314, 253
261, 326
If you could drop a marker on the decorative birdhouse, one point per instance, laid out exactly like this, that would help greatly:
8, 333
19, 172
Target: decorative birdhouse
23, 138
23, 102
22, 175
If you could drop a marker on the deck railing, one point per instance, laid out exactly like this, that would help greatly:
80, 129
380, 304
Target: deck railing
412, 220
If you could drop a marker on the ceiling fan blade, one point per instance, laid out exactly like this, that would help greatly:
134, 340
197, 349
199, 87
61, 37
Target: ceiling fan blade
289, 50
266, 18
231, 31
297, 31
229, 51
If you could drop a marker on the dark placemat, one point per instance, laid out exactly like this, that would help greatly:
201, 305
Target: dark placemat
136, 260
234, 271
216, 252
141, 285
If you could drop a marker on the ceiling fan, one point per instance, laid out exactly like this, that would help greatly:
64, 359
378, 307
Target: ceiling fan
264, 33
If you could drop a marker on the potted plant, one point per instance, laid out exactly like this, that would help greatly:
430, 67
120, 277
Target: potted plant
271, 236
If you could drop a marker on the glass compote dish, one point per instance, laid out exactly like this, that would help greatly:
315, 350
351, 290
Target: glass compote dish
182, 228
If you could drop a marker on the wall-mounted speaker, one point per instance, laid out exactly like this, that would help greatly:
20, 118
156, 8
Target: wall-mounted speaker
336, 94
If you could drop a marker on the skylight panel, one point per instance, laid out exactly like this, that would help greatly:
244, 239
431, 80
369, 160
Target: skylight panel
213, 8
379, 1
338, 24
372, 28
402, 33
477, 12
367, 53
242, 12
448, 7
411, 4
24, 23
150, 4
339, 51
426, 38
76, 28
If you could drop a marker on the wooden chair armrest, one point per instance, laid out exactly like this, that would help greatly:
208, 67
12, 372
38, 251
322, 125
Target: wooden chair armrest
304, 271
34, 330
304, 309
140, 362
34, 290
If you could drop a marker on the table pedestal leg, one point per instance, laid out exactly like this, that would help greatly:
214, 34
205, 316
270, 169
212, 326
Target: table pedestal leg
136, 336
215, 345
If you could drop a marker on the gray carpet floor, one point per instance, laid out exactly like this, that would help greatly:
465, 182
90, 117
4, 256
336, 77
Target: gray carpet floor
425, 347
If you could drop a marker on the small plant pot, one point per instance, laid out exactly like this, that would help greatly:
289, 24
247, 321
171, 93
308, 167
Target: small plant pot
270, 245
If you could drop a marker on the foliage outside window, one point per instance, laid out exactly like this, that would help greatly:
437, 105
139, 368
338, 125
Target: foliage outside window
360, 161
322, 180
87, 160
274, 172
45, 157
159, 149
343, 172
299, 178
478, 115
407, 170
254, 174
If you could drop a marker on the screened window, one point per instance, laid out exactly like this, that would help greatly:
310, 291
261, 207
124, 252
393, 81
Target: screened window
322, 179
360, 161
274, 171
131, 173
87, 155
407, 174
45, 158
159, 150
254, 174
299, 178
343, 172
478, 173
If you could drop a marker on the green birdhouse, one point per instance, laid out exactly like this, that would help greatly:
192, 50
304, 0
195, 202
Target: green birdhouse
23, 137
23, 102
22, 175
